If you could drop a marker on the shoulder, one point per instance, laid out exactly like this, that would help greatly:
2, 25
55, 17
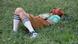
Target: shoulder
54, 19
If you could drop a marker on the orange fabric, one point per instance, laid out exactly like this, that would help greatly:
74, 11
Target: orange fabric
37, 21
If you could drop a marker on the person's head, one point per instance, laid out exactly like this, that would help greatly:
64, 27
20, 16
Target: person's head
57, 11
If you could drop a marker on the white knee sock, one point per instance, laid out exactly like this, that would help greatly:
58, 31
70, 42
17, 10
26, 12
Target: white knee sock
15, 23
28, 25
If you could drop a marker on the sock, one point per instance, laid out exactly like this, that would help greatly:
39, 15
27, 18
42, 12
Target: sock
28, 25
16, 21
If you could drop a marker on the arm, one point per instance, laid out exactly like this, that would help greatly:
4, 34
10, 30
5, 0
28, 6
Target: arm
44, 16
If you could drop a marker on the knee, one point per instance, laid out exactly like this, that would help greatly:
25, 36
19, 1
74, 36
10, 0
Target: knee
18, 10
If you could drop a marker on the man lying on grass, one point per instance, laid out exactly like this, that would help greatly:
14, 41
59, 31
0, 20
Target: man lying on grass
32, 22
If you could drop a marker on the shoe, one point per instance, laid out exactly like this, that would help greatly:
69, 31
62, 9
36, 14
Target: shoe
34, 35
15, 31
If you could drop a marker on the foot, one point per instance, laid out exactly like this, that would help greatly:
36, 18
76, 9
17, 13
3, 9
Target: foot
34, 35
14, 30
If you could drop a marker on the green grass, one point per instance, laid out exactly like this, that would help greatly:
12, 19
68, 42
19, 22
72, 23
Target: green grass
65, 32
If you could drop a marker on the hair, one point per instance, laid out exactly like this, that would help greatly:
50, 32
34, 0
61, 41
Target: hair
57, 11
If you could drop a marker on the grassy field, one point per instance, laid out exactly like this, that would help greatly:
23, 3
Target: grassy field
65, 32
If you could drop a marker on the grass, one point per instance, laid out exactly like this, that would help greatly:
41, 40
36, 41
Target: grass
65, 32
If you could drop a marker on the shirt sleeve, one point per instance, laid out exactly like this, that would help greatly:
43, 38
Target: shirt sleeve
44, 16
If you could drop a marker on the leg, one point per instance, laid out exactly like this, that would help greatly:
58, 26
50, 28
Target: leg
16, 21
25, 19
